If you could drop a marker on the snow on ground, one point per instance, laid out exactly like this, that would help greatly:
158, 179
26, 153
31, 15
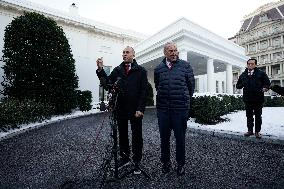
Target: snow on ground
272, 117
272, 122
26, 127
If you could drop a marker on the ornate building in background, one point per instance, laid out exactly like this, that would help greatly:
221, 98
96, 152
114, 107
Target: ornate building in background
261, 35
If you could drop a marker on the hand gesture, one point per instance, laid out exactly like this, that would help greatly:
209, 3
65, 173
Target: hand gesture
100, 63
264, 89
138, 114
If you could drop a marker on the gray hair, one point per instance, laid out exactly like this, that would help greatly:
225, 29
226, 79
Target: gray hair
131, 49
168, 44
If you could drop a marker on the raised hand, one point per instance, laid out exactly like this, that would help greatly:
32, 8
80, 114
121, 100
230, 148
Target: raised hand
100, 63
138, 114
265, 89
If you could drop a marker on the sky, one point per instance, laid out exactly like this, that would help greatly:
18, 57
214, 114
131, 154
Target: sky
222, 17
272, 123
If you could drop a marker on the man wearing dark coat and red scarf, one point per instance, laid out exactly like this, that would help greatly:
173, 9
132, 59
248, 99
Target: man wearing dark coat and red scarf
131, 80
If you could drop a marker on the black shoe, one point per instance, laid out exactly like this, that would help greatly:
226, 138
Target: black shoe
166, 167
249, 133
180, 170
137, 170
258, 135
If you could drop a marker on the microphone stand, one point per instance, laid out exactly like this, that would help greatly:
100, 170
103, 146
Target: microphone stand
114, 150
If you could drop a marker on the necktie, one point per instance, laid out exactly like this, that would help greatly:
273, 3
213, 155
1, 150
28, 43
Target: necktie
170, 65
127, 68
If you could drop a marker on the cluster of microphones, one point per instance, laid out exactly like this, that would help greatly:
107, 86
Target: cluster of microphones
113, 90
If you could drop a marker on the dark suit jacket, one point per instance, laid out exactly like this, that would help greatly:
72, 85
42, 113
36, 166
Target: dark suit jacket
131, 88
253, 85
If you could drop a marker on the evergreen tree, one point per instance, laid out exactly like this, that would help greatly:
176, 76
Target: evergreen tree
38, 63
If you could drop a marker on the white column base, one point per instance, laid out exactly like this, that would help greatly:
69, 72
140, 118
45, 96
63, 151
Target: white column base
229, 79
210, 76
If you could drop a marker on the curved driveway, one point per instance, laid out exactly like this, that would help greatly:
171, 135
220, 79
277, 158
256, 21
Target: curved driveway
69, 154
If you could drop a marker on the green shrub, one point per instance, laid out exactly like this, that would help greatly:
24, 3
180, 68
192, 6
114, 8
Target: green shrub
273, 101
209, 109
149, 97
206, 109
14, 112
84, 100
38, 63
237, 103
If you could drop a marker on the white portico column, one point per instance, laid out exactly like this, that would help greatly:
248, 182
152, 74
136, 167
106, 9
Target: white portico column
210, 76
183, 55
229, 78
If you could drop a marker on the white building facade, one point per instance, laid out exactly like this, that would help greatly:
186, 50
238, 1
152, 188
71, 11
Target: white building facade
212, 57
88, 39
262, 36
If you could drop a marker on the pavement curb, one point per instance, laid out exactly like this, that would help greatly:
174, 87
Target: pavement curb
48, 122
237, 135
39, 125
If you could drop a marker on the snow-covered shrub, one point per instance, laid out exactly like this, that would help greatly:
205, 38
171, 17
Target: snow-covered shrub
206, 109
274, 101
84, 100
14, 112
209, 109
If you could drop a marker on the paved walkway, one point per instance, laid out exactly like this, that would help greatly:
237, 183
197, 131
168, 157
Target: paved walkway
69, 154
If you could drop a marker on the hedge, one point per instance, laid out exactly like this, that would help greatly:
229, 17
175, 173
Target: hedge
209, 109
14, 112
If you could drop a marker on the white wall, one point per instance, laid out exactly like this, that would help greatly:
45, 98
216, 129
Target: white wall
219, 76
5, 19
86, 46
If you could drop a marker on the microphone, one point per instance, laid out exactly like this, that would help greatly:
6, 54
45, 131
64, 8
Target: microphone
117, 81
118, 86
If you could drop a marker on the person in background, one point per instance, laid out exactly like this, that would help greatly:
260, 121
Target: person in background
277, 89
131, 82
174, 82
254, 83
